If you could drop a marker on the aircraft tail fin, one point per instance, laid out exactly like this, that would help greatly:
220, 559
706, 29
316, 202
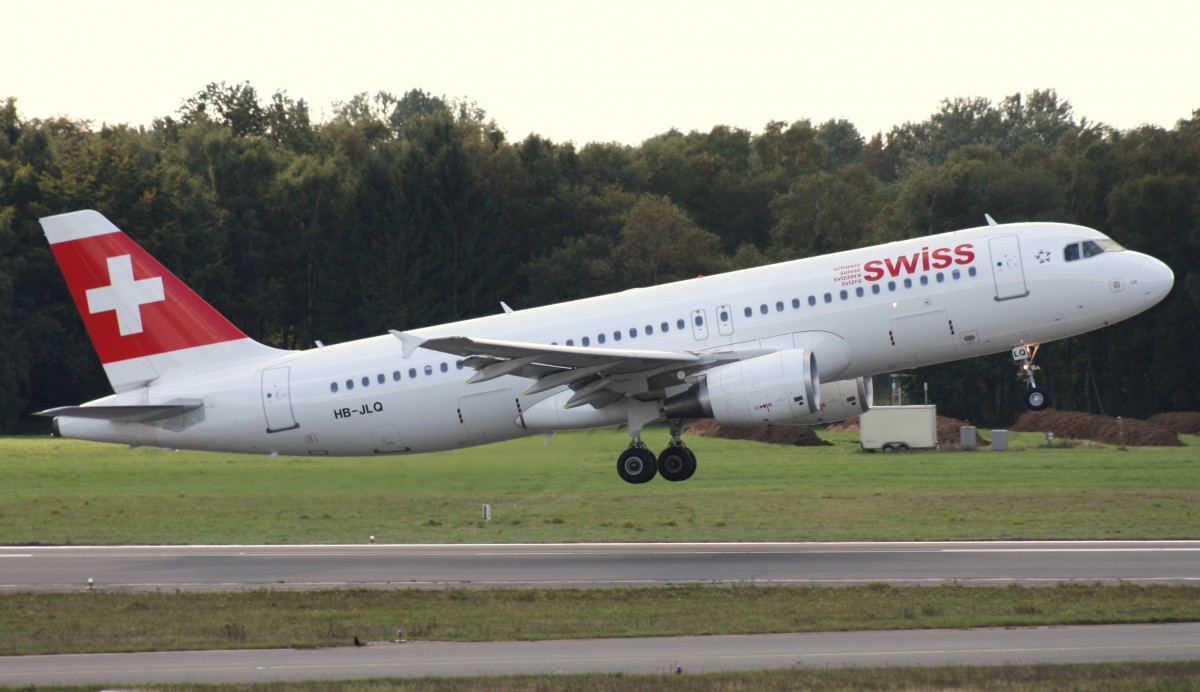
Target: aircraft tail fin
143, 321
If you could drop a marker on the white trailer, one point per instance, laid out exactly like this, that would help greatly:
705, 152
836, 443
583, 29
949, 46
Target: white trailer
898, 428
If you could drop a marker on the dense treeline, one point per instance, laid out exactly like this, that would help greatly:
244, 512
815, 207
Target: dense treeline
406, 211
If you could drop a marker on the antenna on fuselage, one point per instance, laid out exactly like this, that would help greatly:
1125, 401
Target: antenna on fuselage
991, 222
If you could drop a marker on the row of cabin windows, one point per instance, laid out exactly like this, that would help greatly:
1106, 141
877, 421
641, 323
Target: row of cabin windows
380, 378
859, 291
680, 324
601, 338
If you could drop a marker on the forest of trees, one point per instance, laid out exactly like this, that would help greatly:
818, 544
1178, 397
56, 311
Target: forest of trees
405, 211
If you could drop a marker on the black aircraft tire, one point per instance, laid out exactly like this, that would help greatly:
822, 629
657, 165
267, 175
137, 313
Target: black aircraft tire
637, 465
676, 464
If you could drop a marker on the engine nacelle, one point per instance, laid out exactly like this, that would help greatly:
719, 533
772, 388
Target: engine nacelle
777, 388
841, 400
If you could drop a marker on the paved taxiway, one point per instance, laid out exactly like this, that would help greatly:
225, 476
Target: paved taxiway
593, 565
657, 655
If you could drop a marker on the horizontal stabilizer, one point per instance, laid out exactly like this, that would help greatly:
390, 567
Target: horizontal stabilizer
147, 413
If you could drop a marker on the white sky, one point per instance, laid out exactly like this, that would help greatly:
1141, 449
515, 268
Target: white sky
611, 70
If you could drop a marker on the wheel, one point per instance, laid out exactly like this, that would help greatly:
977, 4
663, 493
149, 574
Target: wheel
888, 447
1036, 399
636, 465
676, 463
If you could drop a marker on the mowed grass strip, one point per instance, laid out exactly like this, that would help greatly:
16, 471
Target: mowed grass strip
37, 623
61, 492
1012, 678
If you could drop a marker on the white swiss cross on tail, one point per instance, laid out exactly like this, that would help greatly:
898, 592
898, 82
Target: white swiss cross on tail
125, 295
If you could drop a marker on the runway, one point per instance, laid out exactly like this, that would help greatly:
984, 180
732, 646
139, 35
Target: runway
198, 568
657, 655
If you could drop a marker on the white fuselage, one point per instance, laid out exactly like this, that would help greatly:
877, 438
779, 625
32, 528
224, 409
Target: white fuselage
365, 397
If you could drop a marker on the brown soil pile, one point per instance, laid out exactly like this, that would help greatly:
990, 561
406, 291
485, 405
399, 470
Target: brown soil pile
798, 435
1076, 425
1180, 422
848, 425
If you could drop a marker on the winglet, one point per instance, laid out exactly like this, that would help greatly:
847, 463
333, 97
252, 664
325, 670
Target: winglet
990, 221
410, 342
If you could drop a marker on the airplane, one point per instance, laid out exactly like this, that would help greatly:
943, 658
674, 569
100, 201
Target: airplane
795, 342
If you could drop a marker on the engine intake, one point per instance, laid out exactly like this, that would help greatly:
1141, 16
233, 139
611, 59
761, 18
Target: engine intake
777, 388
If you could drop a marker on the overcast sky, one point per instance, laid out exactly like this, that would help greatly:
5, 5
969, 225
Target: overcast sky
614, 70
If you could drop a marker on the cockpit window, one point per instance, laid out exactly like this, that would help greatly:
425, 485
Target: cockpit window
1090, 248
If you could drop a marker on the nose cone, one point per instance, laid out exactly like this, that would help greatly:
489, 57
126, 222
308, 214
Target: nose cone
1155, 279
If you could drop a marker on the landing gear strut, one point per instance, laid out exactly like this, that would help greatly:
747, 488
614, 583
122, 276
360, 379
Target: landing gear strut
676, 462
1035, 398
639, 465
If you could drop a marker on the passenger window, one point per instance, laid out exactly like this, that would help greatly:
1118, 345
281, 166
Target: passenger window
941, 277
971, 271
795, 303
633, 332
585, 341
570, 342
812, 300
680, 324
665, 327
396, 375
333, 387
699, 320
956, 274
924, 280
749, 312
843, 294
859, 291
891, 285
445, 368
763, 308
349, 384
617, 335
649, 329
459, 365
875, 289
428, 370
908, 283
724, 315
600, 338
366, 381
828, 298
412, 373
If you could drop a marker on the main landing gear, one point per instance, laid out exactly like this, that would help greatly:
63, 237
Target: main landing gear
1035, 398
639, 465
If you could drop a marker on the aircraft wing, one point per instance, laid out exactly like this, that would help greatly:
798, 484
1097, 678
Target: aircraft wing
599, 376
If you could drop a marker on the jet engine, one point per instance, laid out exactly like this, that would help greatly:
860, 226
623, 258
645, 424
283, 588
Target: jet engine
777, 388
841, 400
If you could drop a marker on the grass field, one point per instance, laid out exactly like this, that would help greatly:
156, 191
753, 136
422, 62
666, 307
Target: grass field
57, 492
38, 623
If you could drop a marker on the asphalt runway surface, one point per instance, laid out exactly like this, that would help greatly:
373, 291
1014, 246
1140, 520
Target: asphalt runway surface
198, 568
140, 568
661, 655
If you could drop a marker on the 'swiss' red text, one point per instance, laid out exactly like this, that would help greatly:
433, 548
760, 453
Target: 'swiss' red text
926, 259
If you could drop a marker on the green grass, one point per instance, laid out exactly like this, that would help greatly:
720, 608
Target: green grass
1140, 677
55, 492
39, 623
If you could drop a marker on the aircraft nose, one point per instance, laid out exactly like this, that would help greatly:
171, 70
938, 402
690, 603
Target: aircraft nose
1156, 279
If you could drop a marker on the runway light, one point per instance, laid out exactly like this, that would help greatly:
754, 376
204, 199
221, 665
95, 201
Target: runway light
372, 539
90, 584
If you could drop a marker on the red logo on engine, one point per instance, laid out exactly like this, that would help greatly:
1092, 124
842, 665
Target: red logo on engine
922, 261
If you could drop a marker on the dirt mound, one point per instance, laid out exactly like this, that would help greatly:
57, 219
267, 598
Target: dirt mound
848, 425
948, 434
798, 435
1076, 425
1180, 422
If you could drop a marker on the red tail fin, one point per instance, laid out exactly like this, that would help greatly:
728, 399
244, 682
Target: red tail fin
143, 321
